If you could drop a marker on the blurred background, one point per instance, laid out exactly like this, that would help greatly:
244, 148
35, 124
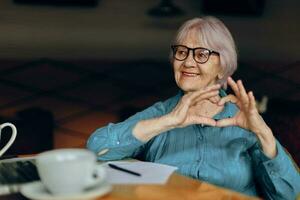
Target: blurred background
68, 67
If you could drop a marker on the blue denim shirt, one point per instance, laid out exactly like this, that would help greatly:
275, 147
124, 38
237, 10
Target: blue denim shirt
230, 157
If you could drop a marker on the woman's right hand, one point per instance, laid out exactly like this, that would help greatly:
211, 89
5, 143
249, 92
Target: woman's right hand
183, 114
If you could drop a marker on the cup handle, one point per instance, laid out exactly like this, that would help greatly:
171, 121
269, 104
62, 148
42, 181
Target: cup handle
96, 177
12, 138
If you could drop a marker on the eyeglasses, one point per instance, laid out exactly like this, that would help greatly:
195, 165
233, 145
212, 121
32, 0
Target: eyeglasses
200, 54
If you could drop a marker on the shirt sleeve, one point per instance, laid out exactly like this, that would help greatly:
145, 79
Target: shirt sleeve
115, 141
278, 178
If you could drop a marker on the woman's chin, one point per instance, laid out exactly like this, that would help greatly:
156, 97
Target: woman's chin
189, 88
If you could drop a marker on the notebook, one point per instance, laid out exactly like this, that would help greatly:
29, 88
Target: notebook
16, 171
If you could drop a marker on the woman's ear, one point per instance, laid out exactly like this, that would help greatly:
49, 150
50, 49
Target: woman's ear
220, 75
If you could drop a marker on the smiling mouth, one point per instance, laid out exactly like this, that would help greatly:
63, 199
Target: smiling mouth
189, 74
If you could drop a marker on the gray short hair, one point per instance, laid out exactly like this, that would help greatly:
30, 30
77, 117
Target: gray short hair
215, 36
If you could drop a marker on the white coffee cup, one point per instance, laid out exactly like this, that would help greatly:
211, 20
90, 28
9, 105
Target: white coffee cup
12, 138
69, 171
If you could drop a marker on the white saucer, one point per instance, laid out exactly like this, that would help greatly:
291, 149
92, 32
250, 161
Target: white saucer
37, 191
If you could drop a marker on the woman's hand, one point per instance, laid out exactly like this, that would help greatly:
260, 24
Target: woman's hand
248, 117
184, 113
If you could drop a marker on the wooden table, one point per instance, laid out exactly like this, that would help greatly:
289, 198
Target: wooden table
178, 187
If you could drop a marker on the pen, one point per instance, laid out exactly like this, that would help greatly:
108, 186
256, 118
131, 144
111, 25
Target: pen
123, 170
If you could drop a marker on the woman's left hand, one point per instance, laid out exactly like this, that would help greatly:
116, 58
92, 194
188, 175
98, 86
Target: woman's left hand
248, 117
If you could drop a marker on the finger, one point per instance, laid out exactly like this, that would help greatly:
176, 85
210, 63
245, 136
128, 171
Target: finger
252, 100
229, 98
212, 87
244, 96
233, 86
207, 95
189, 98
226, 122
215, 99
215, 87
203, 120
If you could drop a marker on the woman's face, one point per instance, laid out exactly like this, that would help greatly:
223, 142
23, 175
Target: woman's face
192, 76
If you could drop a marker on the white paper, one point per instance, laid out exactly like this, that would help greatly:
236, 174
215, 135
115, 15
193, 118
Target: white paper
151, 173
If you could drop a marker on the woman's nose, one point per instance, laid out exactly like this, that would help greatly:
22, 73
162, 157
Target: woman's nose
189, 61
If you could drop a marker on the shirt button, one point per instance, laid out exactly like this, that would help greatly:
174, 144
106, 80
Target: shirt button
200, 137
272, 172
118, 142
270, 164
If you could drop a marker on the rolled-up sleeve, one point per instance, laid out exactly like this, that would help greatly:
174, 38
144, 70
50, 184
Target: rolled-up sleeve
278, 177
116, 141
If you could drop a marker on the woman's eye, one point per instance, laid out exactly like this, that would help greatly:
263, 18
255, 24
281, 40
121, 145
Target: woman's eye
201, 55
182, 52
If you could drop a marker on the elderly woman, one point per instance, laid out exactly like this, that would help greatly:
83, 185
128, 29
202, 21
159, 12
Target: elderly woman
206, 133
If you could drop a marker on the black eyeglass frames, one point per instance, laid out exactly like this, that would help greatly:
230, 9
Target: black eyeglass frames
200, 54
